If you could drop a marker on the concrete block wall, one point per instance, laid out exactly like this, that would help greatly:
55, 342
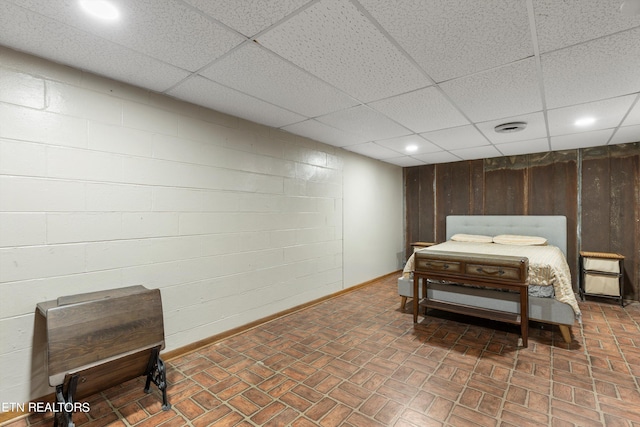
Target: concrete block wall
104, 185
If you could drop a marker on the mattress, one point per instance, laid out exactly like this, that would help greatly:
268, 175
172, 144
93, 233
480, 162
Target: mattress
547, 266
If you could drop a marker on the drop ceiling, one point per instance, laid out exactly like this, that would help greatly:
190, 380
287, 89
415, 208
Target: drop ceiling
370, 76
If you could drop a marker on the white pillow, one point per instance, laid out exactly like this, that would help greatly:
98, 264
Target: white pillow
514, 239
472, 238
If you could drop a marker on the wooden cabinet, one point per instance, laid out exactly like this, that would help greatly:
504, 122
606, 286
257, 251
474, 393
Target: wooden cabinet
601, 274
459, 266
98, 340
487, 271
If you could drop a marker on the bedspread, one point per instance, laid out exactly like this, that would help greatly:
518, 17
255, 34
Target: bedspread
547, 265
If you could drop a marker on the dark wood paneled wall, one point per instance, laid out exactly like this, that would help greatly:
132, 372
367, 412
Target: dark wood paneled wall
611, 207
597, 189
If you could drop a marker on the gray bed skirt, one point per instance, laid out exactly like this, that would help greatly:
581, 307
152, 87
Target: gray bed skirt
546, 310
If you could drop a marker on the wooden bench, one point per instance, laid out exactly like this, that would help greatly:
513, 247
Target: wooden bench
489, 271
100, 339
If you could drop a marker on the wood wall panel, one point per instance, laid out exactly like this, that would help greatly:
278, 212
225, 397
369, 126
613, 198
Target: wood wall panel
610, 207
595, 197
604, 216
505, 190
477, 187
459, 191
427, 221
419, 197
625, 200
557, 171
411, 201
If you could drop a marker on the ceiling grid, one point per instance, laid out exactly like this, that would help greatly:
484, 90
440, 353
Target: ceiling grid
371, 76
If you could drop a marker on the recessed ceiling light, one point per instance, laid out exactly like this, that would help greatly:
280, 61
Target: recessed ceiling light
100, 9
585, 121
411, 148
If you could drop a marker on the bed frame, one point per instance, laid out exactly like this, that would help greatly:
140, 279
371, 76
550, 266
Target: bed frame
551, 227
545, 310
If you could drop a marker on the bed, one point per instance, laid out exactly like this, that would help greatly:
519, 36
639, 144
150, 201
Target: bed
551, 298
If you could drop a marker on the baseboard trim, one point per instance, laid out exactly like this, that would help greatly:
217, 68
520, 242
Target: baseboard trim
6, 417
190, 348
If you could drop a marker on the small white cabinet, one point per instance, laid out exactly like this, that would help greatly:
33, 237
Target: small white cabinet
601, 274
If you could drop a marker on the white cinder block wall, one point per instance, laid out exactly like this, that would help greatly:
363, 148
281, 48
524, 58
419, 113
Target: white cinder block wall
103, 185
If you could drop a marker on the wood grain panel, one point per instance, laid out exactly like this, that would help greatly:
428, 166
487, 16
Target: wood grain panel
446, 195
505, 189
557, 171
606, 210
454, 192
419, 198
412, 204
480, 268
88, 332
112, 373
595, 198
476, 170
427, 229
625, 212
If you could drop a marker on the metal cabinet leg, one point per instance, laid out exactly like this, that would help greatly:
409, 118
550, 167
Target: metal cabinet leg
156, 373
65, 399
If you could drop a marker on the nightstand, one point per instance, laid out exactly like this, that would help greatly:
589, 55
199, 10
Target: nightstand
601, 275
420, 245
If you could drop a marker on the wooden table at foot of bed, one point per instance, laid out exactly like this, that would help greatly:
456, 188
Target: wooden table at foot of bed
487, 271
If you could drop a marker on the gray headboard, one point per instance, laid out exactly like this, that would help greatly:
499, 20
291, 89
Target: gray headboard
552, 227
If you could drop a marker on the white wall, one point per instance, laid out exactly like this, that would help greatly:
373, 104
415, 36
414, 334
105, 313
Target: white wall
373, 219
103, 185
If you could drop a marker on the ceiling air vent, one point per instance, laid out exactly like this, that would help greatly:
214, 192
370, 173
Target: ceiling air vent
510, 127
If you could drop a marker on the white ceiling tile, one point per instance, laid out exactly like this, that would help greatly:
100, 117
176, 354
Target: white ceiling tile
335, 41
212, 95
603, 68
248, 17
440, 157
564, 23
405, 161
364, 121
607, 114
633, 118
321, 132
484, 152
159, 31
46, 38
456, 138
349, 72
524, 147
400, 145
373, 150
256, 71
501, 92
450, 39
536, 128
154, 28
626, 134
422, 110
581, 140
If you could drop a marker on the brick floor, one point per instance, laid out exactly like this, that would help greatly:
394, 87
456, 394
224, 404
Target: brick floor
357, 360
